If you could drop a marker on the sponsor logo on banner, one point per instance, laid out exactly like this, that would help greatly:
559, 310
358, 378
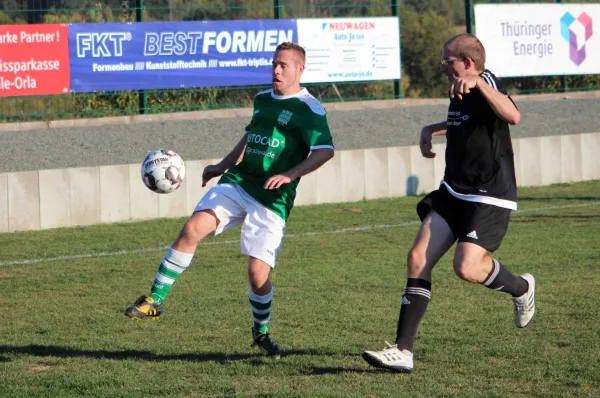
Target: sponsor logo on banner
576, 31
350, 49
155, 55
34, 60
539, 39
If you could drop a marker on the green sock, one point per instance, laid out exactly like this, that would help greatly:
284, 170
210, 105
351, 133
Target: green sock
171, 267
261, 311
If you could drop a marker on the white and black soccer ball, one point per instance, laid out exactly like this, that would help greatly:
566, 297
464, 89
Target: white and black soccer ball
163, 171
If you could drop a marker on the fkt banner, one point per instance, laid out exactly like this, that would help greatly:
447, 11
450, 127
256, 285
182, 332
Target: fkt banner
158, 55
34, 60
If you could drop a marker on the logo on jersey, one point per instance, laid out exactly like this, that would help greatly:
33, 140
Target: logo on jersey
284, 117
261, 139
455, 118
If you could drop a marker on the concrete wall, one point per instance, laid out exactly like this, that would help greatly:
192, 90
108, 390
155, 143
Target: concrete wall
36, 200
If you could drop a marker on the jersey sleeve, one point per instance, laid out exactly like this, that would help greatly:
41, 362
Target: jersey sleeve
494, 82
316, 133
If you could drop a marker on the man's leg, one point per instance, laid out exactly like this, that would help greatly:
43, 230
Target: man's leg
177, 260
260, 296
483, 229
473, 264
261, 238
216, 212
433, 240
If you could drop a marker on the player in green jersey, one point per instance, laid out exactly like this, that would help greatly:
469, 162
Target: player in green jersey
287, 138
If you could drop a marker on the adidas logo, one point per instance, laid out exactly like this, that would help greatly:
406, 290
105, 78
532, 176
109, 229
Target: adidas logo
405, 300
472, 235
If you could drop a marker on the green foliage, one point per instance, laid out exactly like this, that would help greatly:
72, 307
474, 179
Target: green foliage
423, 35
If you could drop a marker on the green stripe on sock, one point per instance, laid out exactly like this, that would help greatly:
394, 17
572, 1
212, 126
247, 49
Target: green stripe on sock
167, 272
260, 306
175, 265
261, 316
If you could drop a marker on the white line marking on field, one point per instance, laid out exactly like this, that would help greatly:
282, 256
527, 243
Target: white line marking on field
227, 242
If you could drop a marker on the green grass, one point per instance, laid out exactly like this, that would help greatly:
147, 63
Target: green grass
62, 332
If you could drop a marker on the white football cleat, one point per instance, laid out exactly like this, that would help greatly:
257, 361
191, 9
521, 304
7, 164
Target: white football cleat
390, 358
525, 305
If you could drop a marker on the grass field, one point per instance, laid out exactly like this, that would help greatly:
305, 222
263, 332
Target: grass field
339, 279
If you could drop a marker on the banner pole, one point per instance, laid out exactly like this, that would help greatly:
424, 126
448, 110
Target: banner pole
469, 16
277, 9
396, 13
564, 77
139, 17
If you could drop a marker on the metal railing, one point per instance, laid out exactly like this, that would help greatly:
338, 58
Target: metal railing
454, 15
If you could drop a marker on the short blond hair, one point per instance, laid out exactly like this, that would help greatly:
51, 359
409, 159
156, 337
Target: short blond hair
288, 45
467, 45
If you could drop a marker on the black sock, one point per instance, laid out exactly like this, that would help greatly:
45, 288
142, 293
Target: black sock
503, 280
414, 304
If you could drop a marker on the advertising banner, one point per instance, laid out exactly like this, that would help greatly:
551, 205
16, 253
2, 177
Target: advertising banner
34, 60
350, 49
539, 39
158, 55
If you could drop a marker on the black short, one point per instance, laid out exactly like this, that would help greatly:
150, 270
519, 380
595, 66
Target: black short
479, 223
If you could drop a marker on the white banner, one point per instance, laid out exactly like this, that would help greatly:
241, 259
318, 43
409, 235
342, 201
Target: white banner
350, 49
539, 39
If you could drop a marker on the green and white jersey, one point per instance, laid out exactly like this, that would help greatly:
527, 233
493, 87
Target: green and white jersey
283, 131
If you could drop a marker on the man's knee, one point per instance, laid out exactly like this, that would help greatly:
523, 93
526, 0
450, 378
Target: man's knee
417, 261
198, 226
466, 269
258, 275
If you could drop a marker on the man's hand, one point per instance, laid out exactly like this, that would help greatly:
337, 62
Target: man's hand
462, 85
276, 181
210, 172
425, 144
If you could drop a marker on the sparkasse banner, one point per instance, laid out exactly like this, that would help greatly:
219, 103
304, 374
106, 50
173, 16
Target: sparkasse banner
539, 39
350, 49
34, 60
156, 55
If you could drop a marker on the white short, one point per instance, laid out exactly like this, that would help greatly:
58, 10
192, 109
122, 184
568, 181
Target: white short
262, 229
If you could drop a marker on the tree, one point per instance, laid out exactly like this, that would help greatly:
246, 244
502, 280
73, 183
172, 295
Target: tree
423, 36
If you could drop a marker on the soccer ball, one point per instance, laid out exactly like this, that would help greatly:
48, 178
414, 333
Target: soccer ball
163, 171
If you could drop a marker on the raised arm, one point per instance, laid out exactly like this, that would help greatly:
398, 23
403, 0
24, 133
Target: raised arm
500, 103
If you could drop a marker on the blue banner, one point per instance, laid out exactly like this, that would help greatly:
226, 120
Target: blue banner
158, 55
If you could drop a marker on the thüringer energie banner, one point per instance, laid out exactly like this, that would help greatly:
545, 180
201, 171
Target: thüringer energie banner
539, 39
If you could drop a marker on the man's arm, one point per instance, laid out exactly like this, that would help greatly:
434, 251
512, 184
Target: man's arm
232, 158
500, 103
502, 106
437, 128
316, 159
236, 154
426, 134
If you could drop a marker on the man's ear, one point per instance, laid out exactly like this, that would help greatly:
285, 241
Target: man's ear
469, 64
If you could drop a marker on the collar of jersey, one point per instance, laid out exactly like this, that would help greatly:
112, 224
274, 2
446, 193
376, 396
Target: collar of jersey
282, 97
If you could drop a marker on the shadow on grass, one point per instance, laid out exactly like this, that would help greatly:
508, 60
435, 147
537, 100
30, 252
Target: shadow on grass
554, 198
64, 352
336, 371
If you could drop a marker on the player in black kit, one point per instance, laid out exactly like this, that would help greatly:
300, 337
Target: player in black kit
473, 203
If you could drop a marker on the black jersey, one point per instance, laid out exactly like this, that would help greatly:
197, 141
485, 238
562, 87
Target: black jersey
479, 154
